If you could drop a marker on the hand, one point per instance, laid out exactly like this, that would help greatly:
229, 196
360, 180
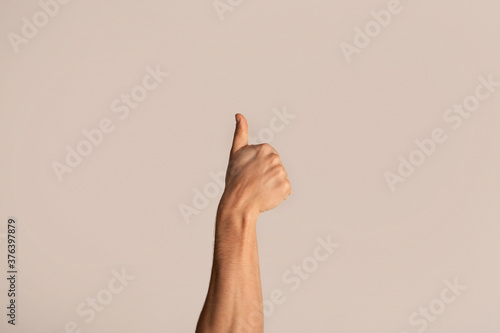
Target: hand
256, 181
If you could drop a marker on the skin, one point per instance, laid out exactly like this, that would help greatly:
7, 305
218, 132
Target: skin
256, 182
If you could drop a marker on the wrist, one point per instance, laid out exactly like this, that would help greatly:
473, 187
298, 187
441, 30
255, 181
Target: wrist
233, 208
235, 231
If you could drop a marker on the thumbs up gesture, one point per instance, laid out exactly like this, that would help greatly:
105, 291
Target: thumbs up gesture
256, 181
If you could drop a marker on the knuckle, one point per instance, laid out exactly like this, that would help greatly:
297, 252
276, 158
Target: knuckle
275, 158
279, 170
285, 186
266, 147
282, 170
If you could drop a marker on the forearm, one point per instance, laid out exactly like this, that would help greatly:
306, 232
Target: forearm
234, 299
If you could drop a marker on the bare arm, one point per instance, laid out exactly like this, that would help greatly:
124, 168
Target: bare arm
256, 181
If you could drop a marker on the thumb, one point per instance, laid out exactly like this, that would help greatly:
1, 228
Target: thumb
240, 139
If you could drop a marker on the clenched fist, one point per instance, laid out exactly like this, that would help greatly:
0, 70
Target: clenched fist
256, 181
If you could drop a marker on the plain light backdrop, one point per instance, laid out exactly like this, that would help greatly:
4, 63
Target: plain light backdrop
120, 207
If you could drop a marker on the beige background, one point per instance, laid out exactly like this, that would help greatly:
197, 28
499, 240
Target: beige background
120, 207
